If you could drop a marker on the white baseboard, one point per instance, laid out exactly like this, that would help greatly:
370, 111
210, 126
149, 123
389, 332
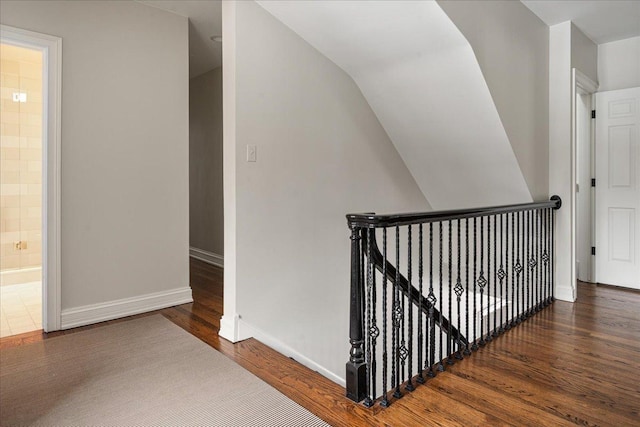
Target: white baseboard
245, 331
94, 313
229, 328
206, 256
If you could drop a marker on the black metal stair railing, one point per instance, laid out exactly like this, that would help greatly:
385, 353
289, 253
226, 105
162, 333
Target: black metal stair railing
480, 272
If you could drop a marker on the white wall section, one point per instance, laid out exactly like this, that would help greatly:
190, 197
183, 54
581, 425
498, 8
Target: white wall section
560, 155
421, 78
321, 154
229, 321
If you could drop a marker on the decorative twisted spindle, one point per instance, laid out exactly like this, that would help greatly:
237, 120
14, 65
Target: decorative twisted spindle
410, 386
385, 357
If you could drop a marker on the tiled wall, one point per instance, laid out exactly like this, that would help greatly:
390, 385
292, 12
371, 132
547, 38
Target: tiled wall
20, 157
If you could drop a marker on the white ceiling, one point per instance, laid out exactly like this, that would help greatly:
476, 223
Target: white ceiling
602, 21
205, 20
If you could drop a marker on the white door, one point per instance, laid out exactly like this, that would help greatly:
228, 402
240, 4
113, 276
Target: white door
618, 187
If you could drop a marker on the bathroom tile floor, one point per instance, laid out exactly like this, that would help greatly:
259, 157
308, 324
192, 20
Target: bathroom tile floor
20, 308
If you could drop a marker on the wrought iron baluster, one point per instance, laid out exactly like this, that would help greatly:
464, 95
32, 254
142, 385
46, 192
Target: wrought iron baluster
374, 333
502, 275
488, 334
368, 401
409, 385
519, 269
467, 349
543, 264
397, 320
514, 276
547, 287
449, 326
384, 401
459, 290
539, 257
524, 268
527, 285
553, 257
420, 378
546, 257
534, 258
522, 257
550, 267
432, 303
482, 282
440, 366
539, 261
474, 347
542, 257
495, 277
508, 306
402, 351
532, 262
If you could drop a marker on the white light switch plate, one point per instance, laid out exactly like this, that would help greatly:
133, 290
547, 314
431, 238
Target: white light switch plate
252, 153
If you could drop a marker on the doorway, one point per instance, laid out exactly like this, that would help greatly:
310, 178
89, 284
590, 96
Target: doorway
583, 173
29, 181
21, 189
584, 189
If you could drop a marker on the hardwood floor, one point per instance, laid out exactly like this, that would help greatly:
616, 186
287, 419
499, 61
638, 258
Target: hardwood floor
570, 364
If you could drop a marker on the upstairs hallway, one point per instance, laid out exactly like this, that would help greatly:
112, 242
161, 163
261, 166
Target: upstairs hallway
569, 364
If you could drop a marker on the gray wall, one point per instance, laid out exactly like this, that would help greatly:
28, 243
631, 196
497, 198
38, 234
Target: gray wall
584, 54
619, 64
321, 154
512, 47
124, 145
206, 209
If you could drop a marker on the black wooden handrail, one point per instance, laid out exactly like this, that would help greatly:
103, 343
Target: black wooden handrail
371, 220
406, 288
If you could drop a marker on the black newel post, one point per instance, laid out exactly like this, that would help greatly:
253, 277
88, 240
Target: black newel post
356, 367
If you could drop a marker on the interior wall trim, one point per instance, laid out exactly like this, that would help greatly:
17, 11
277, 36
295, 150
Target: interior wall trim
206, 256
94, 313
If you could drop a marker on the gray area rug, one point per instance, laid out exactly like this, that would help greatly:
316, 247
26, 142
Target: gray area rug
143, 372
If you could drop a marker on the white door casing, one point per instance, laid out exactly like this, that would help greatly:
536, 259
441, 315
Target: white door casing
618, 187
51, 47
584, 173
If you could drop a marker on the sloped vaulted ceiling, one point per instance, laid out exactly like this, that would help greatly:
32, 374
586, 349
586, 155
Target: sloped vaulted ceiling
421, 78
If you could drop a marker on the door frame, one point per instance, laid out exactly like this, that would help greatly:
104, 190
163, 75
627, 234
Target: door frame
51, 47
582, 84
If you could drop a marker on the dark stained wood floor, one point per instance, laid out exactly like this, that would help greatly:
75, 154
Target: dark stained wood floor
570, 364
